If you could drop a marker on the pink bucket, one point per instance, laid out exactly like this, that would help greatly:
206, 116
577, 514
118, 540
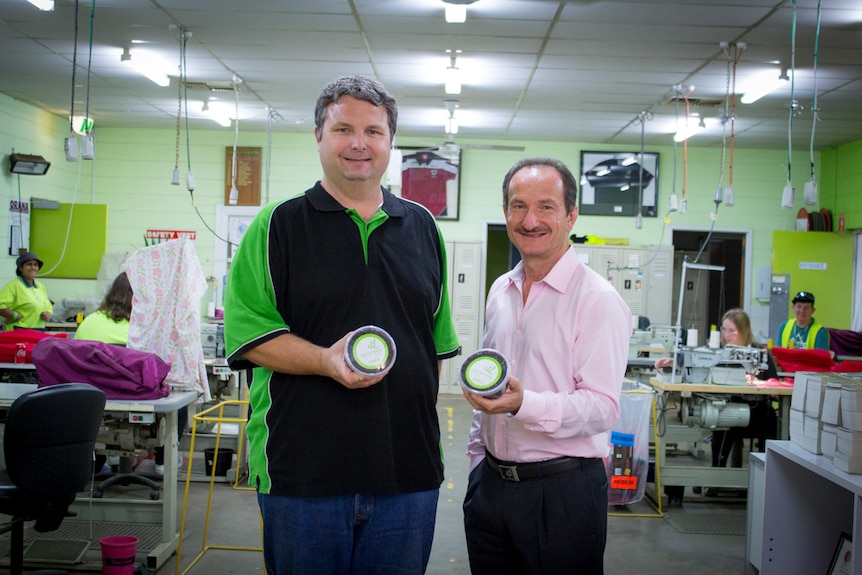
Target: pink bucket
118, 554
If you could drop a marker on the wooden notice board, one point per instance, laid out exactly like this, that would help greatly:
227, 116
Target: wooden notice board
248, 162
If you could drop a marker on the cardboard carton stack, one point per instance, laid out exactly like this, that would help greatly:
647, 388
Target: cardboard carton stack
826, 417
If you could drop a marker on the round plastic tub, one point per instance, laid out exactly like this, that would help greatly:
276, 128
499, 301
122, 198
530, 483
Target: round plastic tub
485, 372
370, 350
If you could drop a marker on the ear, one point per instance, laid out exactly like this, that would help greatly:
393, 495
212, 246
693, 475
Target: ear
572, 217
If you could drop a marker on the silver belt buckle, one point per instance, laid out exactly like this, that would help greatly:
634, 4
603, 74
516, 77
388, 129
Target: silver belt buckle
509, 472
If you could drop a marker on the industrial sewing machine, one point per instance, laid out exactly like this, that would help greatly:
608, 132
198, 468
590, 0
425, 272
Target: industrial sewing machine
655, 341
727, 366
130, 434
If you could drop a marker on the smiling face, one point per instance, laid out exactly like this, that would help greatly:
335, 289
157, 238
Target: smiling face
536, 218
29, 270
353, 144
803, 311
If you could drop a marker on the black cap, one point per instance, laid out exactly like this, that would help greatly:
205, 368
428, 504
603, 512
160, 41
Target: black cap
805, 297
24, 258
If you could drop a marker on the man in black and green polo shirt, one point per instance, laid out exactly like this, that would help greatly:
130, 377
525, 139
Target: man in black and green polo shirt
347, 466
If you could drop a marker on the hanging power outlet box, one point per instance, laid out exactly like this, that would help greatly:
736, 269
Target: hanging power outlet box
788, 196
70, 145
87, 151
809, 193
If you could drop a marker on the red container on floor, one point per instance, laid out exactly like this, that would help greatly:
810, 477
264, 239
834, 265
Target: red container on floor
118, 554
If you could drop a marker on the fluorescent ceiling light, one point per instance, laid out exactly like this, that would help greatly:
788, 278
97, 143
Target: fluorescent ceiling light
455, 13
689, 129
763, 84
217, 114
148, 66
45, 5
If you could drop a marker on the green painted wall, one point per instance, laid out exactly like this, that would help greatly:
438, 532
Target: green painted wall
132, 173
841, 183
816, 262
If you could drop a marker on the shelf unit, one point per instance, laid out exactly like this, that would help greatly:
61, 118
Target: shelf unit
807, 505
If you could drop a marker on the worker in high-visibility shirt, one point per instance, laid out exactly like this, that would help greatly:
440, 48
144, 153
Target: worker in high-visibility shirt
803, 332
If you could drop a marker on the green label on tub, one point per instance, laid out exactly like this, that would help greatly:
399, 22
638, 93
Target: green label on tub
483, 372
370, 351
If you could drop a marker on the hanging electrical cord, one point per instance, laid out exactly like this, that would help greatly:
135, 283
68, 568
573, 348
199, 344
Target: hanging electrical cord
714, 217
788, 196
233, 198
181, 81
184, 104
190, 178
737, 51
86, 126
725, 118
673, 201
810, 191
271, 116
266, 166
683, 203
643, 117
70, 144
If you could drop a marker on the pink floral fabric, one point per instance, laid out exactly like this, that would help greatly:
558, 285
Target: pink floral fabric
169, 282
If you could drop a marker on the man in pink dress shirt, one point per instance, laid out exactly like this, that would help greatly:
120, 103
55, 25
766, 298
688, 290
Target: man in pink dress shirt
537, 496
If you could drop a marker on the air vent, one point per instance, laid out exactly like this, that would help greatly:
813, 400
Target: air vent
211, 86
696, 102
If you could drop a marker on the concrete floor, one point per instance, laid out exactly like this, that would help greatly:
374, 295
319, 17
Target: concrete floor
644, 545
636, 544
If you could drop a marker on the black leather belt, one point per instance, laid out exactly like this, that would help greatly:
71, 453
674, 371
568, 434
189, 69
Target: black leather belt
536, 470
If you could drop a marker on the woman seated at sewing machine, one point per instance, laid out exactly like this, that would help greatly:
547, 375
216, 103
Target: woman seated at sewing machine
763, 421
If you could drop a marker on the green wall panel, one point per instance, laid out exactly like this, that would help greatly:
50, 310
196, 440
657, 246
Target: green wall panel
818, 262
87, 239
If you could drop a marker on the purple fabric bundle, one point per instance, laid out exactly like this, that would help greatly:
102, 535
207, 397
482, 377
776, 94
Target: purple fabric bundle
845, 342
120, 372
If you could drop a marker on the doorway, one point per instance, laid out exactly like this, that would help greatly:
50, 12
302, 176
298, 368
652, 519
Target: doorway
708, 294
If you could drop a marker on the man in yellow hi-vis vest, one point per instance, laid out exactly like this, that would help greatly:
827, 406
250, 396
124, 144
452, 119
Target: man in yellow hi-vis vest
803, 332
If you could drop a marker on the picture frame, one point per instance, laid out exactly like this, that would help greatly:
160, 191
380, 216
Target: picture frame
842, 559
432, 177
619, 183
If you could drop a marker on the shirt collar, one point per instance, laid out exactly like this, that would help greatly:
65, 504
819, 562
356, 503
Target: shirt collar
323, 202
559, 276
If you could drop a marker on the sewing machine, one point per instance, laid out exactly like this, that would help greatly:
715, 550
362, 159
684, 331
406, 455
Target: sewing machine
656, 341
727, 365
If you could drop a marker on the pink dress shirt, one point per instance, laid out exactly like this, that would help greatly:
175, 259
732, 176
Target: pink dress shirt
568, 345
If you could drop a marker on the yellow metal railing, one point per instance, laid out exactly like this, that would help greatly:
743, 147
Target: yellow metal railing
206, 416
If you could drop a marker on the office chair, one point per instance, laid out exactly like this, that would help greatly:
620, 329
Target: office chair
48, 444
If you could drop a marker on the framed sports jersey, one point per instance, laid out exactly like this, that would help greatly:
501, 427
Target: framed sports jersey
431, 177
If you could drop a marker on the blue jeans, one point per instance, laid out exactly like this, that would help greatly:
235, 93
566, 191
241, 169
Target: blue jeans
348, 534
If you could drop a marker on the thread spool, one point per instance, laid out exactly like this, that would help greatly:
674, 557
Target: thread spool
714, 340
691, 338
211, 309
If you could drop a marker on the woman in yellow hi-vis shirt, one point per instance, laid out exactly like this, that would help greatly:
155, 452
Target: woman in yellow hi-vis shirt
24, 301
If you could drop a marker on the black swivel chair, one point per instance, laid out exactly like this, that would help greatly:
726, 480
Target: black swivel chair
48, 444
